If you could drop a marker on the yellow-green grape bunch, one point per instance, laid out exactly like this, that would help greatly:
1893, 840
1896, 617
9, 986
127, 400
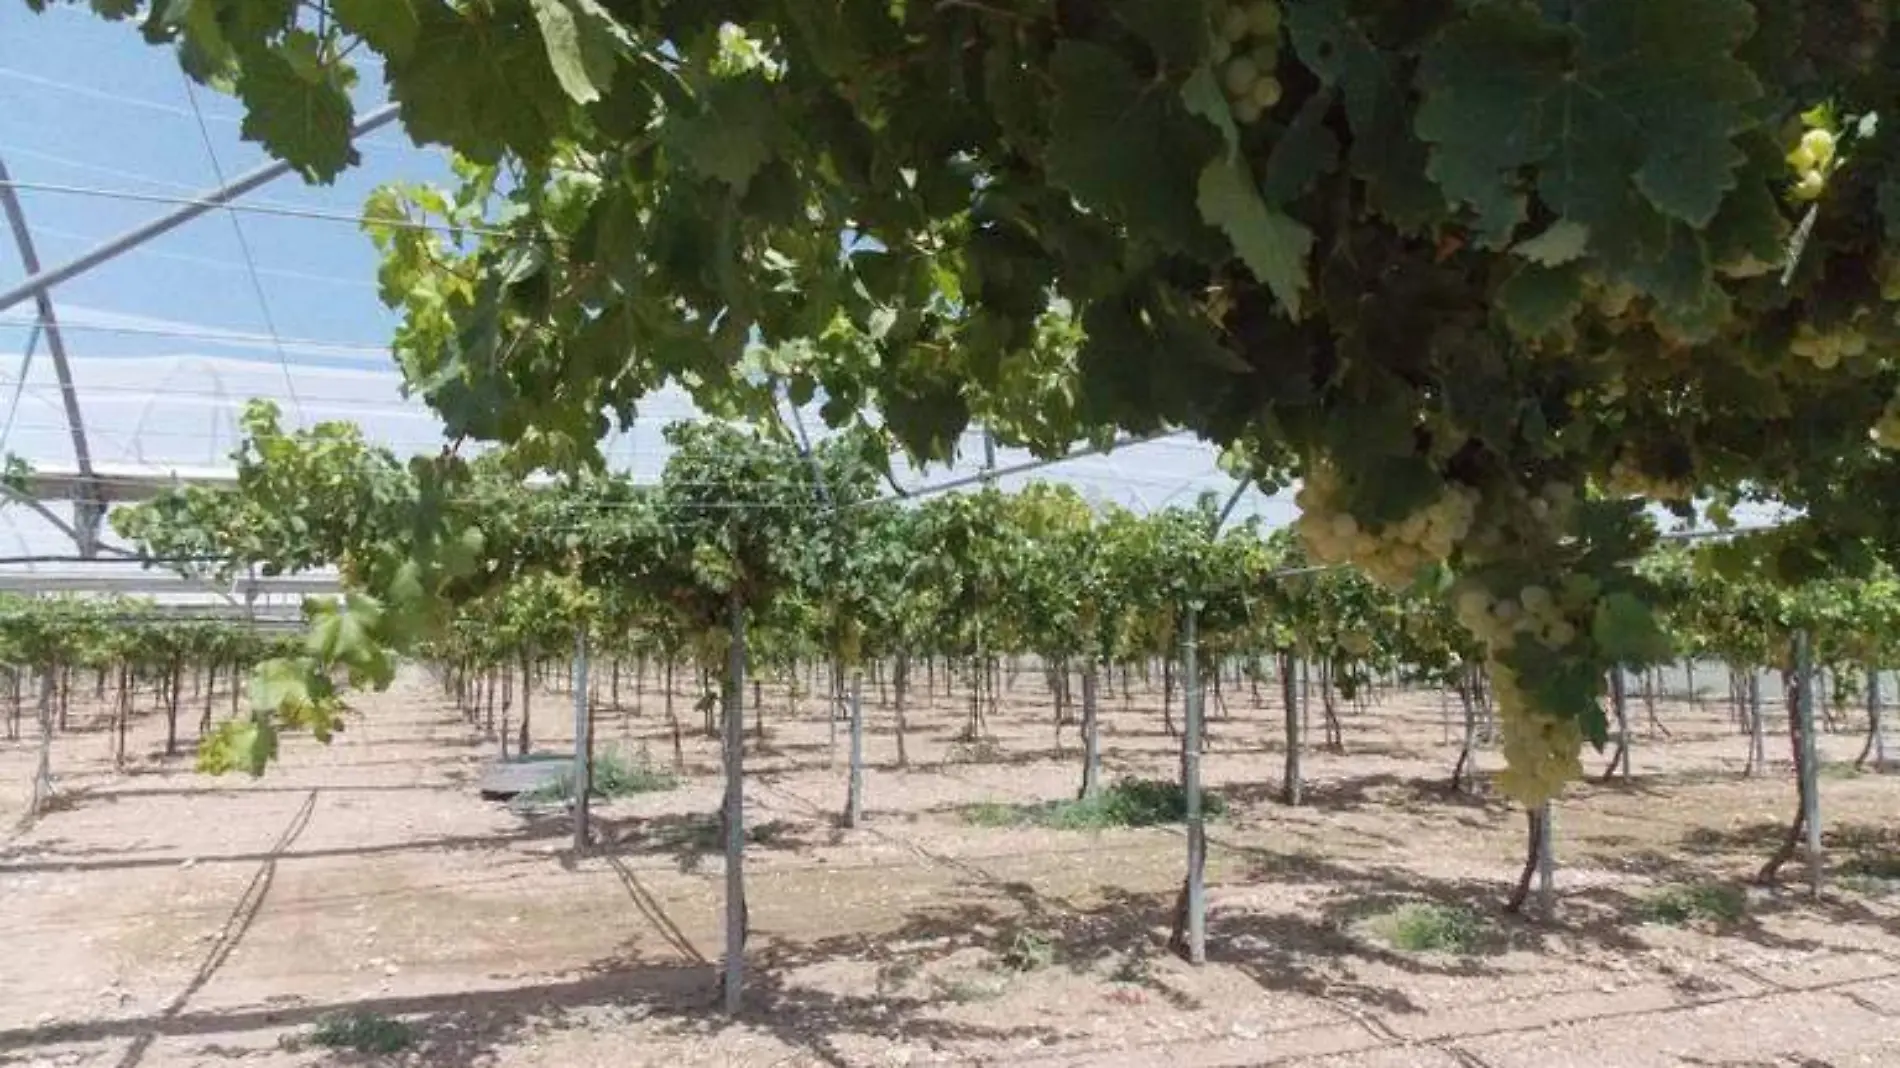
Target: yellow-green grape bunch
1541, 751
1886, 431
1812, 159
1247, 53
1826, 350
1890, 279
1356, 642
1392, 555
1628, 480
1546, 616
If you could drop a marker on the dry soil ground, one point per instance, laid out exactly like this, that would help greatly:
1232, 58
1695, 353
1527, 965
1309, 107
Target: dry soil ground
159, 918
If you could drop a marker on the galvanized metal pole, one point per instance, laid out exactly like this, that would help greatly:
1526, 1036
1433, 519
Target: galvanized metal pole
1810, 778
1546, 861
1191, 789
87, 510
854, 792
38, 281
735, 807
583, 756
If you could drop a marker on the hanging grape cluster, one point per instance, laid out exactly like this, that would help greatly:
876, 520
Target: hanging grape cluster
1541, 750
1628, 479
1813, 160
1393, 553
1826, 349
1247, 48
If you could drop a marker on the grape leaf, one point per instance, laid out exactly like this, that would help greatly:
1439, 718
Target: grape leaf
1537, 300
280, 683
1626, 631
1272, 244
1563, 242
388, 26
1304, 152
579, 50
479, 84
1632, 97
1124, 150
1889, 196
1386, 153
732, 135
1175, 29
298, 109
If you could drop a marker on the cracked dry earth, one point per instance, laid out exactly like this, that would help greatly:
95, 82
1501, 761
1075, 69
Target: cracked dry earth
158, 918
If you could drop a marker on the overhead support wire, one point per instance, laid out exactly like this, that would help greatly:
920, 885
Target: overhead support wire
244, 248
39, 281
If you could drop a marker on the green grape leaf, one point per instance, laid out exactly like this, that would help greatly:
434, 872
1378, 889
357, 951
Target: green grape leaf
1304, 152
1538, 300
733, 134
388, 26
579, 49
1633, 97
1626, 630
1386, 153
280, 683
1889, 199
249, 744
1272, 244
1175, 29
297, 107
1561, 243
1124, 150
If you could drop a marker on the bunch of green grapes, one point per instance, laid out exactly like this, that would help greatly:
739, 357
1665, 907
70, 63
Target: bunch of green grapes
1826, 350
1247, 51
1393, 554
1628, 480
1541, 751
1886, 431
1813, 160
1545, 616
1890, 279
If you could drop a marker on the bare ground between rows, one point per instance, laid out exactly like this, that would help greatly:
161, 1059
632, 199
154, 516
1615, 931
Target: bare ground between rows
161, 918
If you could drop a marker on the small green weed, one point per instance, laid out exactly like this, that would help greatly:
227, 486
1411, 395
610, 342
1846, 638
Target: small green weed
996, 814
615, 775
1127, 803
362, 1032
1675, 906
1425, 928
1867, 885
1873, 864
970, 988
769, 832
1029, 951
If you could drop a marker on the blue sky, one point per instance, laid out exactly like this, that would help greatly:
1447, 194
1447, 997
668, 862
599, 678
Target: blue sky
89, 103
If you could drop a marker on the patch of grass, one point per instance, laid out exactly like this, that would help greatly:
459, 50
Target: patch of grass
1840, 769
1867, 885
996, 814
1420, 927
768, 832
1676, 906
1126, 803
615, 775
1029, 951
362, 1032
1872, 864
